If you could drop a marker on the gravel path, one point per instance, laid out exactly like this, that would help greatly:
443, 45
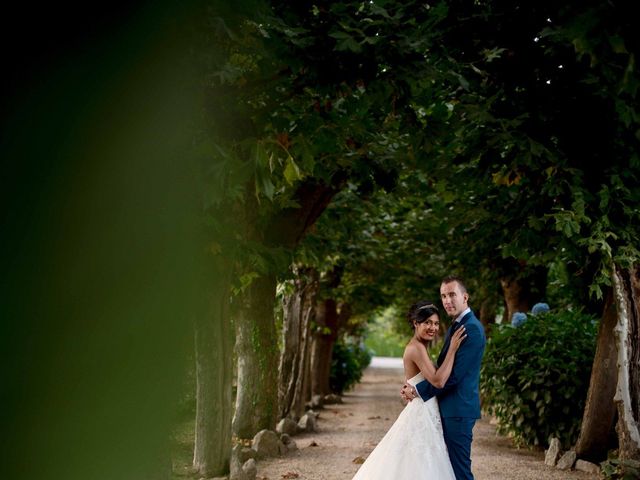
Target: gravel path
352, 429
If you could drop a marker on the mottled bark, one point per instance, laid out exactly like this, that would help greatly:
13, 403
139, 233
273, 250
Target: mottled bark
324, 337
214, 376
294, 371
600, 412
257, 351
627, 332
330, 319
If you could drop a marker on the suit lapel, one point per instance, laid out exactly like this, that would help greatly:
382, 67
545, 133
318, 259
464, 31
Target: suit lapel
445, 347
447, 340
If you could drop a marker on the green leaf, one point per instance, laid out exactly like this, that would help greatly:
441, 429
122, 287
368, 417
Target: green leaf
264, 184
291, 171
346, 42
492, 54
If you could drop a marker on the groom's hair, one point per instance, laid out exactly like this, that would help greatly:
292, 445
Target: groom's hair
420, 311
454, 278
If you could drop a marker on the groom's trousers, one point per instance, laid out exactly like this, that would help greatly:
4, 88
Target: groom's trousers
458, 433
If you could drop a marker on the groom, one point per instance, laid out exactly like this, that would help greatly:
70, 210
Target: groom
459, 399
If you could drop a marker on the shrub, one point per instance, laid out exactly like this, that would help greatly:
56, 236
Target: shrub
348, 361
535, 377
616, 469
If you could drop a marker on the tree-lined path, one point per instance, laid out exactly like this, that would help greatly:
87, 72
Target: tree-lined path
214, 213
352, 429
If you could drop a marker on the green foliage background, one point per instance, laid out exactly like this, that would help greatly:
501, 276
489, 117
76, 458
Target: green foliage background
535, 377
350, 358
382, 338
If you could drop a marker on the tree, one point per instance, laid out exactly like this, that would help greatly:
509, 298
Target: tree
299, 307
213, 349
627, 397
311, 130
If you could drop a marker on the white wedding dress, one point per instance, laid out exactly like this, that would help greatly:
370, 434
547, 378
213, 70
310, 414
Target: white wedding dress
413, 448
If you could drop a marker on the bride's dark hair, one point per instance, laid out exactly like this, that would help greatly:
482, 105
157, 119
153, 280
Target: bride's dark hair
420, 311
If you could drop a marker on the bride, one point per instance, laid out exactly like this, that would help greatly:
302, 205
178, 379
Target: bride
414, 447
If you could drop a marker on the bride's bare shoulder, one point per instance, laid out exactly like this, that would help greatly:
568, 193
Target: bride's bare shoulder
409, 349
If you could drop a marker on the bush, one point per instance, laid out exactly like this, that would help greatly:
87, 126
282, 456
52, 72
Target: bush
535, 377
348, 361
616, 469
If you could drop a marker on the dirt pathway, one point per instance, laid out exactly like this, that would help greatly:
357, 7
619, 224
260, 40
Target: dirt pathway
352, 430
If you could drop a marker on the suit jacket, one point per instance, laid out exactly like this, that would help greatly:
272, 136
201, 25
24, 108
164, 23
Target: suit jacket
460, 396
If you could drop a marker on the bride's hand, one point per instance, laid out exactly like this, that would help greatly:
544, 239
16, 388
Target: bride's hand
407, 393
457, 338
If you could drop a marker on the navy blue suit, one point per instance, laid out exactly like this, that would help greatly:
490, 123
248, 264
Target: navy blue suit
459, 399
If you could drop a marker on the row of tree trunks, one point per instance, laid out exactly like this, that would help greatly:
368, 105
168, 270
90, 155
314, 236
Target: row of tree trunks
256, 346
295, 367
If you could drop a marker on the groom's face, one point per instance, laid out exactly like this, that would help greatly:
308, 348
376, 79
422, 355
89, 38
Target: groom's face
454, 300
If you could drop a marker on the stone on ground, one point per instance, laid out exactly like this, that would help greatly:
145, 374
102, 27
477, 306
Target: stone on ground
288, 426
588, 467
308, 422
553, 452
267, 444
567, 460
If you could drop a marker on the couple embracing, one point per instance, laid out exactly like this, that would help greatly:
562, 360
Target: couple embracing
431, 439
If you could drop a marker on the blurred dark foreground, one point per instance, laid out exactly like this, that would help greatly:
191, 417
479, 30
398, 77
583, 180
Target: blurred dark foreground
99, 238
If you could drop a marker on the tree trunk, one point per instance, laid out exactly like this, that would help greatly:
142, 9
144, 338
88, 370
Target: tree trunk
257, 351
600, 412
627, 331
522, 290
488, 310
514, 298
214, 376
299, 312
331, 318
324, 337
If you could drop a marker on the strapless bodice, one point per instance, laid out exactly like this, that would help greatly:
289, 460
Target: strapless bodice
416, 379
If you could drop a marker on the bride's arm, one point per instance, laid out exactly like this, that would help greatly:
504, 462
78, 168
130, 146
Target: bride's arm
438, 377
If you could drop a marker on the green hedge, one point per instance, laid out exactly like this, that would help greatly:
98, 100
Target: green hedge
535, 377
348, 361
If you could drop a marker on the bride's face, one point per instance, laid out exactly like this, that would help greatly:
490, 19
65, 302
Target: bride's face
428, 329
